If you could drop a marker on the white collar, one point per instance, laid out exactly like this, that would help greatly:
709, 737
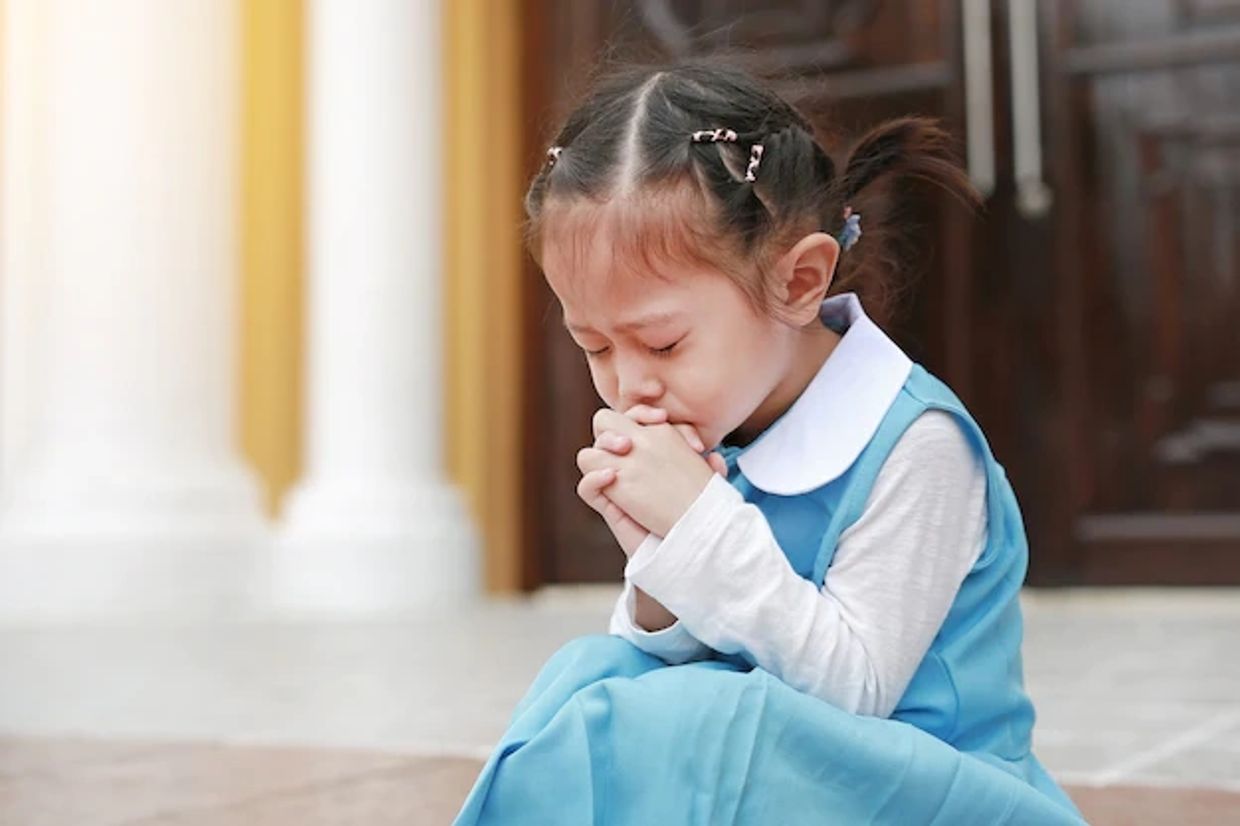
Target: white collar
831, 422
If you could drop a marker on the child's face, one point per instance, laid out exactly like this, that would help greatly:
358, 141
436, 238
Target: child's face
689, 342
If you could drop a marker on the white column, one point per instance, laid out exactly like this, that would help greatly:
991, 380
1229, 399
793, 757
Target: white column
124, 492
21, 85
374, 528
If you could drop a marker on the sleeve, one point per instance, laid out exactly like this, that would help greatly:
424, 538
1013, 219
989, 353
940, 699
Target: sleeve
674, 644
858, 640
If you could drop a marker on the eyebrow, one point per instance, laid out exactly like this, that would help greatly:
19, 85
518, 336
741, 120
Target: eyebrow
627, 326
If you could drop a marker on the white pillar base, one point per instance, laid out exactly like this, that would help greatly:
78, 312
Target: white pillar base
366, 551
132, 549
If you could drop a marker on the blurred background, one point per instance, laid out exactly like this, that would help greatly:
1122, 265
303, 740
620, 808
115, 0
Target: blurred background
263, 275
288, 420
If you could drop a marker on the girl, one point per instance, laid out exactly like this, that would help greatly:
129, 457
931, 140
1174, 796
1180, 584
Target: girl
820, 620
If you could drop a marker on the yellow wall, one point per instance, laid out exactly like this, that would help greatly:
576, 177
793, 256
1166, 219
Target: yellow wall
271, 242
482, 260
482, 272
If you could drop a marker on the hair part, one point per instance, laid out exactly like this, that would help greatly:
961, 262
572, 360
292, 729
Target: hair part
626, 154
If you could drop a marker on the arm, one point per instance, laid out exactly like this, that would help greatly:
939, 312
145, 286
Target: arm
857, 641
672, 643
653, 628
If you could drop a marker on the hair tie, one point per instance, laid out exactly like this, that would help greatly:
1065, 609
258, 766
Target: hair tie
851, 232
730, 136
713, 136
553, 155
755, 158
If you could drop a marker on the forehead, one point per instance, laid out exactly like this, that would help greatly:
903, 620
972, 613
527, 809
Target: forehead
616, 299
621, 258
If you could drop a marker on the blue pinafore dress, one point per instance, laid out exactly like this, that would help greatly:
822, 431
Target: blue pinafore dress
609, 734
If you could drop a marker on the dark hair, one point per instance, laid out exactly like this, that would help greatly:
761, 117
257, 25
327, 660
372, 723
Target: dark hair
630, 140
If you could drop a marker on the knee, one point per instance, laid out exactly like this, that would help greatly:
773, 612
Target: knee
594, 647
604, 655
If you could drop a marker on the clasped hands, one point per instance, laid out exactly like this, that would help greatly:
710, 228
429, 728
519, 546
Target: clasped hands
643, 473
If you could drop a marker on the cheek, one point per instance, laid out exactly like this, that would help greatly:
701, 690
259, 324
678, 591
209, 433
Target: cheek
742, 372
701, 384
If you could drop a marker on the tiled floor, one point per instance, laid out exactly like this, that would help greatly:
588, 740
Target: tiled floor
280, 722
55, 782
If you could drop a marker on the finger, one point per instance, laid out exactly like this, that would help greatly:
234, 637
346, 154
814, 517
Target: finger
590, 489
607, 419
591, 486
646, 414
614, 443
612, 514
590, 458
718, 464
690, 434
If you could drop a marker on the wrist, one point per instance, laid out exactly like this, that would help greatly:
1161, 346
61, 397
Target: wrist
649, 614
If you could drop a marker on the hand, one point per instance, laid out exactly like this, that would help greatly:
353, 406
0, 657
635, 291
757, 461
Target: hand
646, 415
628, 533
658, 475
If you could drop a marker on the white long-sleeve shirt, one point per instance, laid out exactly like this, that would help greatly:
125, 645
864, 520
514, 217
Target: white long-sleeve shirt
856, 641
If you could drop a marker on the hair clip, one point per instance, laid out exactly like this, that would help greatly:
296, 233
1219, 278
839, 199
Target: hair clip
714, 136
553, 155
755, 157
851, 232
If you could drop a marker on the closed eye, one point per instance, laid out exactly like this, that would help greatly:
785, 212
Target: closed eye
663, 352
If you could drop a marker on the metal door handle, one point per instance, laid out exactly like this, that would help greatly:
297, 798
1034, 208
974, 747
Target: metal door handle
978, 95
1033, 196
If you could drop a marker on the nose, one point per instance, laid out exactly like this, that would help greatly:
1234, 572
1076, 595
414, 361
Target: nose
638, 384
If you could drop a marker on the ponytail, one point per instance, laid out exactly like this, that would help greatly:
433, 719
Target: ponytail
881, 267
911, 147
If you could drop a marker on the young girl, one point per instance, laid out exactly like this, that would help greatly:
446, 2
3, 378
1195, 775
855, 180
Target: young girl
820, 620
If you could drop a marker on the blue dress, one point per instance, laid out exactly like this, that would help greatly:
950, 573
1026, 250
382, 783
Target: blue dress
609, 734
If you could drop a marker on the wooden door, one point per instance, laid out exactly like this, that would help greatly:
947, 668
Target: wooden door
1142, 101
1112, 421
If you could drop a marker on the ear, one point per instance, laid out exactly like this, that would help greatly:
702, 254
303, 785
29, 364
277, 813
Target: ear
803, 275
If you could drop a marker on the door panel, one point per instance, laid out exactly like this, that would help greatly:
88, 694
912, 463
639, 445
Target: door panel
1146, 143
